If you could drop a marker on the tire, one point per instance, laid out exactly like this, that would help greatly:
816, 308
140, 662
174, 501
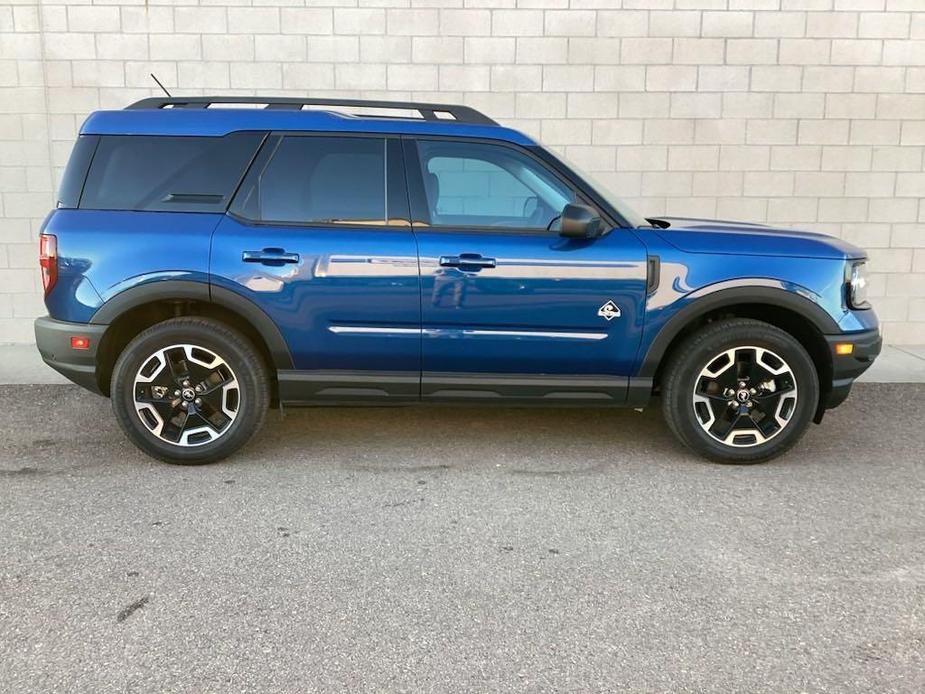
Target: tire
750, 424
190, 391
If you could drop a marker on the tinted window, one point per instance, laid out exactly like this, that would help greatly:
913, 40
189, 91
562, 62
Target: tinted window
321, 180
72, 182
480, 185
170, 174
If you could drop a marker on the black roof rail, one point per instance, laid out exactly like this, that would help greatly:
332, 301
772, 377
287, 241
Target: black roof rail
460, 114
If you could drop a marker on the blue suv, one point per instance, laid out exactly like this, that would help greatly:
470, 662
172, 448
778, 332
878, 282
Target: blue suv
212, 256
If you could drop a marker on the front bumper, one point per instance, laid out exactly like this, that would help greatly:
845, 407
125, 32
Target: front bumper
846, 368
53, 339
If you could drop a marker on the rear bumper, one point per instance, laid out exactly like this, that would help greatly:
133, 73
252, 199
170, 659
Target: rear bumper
53, 339
846, 368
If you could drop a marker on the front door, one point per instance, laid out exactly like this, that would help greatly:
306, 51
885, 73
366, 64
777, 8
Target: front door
318, 237
509, 308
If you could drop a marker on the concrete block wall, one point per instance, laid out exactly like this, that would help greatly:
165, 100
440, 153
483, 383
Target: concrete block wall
808, 113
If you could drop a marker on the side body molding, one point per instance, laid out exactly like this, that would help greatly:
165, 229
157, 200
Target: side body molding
706, 299
165, 290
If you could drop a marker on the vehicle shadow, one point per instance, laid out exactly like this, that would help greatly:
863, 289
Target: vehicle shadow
529, 440
59, 429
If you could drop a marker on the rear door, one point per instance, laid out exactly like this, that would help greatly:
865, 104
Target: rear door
318, 237
509, 308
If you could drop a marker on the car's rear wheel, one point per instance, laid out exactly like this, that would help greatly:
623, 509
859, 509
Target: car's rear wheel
740, 391
190, 390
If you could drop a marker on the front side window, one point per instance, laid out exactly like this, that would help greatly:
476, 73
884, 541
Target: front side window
318, 180
482, 185
166, 173
631, 216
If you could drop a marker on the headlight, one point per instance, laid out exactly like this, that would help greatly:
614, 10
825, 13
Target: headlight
857, 285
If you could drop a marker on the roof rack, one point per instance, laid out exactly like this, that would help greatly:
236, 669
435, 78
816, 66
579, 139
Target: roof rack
460, 114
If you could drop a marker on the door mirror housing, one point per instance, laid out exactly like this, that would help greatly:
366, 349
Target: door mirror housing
580, 222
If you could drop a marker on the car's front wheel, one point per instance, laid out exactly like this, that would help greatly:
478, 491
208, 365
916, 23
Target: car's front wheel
190, 390
740, 391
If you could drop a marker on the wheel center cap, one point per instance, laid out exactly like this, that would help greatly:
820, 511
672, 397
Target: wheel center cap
188, 394
743, 395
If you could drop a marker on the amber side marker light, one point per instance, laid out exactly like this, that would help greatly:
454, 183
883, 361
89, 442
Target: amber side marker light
844, 348
80, 342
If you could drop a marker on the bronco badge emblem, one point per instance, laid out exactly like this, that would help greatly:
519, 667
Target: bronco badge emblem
609, 311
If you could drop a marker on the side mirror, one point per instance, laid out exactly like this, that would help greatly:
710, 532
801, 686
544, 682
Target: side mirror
580, 222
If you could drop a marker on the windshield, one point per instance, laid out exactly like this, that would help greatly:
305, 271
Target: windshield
632, 217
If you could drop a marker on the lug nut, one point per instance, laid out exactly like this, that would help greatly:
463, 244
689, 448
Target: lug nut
183, 405
186, 383
732, 403
199, 389
749, 403
198, 401
177, 393
741, 384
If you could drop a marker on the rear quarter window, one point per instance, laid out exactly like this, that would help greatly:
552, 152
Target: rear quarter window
166, 173
75, 173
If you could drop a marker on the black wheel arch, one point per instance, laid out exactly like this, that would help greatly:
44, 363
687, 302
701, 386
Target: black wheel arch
794, 313
133, 310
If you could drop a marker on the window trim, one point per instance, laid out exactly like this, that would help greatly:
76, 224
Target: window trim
395, 185
418, 197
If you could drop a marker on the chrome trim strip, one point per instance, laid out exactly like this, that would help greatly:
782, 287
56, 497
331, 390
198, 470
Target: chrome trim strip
475, 332
365, 330
483, 332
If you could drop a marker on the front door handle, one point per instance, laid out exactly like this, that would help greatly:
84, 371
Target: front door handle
270, 256
467, 261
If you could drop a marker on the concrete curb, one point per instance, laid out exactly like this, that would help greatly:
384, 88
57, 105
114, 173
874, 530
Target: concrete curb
21, 364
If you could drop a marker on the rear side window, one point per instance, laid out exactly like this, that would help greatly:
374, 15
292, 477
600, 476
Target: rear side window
72, 182
167, 174
318, 180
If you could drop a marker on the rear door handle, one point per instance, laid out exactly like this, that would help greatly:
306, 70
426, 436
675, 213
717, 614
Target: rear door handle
270, 256
467, 261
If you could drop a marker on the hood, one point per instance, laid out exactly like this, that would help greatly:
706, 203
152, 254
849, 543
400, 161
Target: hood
742, 238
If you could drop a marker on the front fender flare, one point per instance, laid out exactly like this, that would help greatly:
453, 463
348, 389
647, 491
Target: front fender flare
707, 299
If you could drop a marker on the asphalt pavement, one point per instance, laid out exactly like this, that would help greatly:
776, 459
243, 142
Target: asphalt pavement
461, 550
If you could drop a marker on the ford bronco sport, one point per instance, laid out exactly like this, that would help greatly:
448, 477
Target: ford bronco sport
206, 260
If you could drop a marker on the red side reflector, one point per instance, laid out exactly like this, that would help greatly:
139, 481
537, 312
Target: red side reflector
80, 342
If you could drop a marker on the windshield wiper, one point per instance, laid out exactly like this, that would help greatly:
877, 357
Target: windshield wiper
658, 223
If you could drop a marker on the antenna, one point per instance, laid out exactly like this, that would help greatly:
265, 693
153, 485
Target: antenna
159, 84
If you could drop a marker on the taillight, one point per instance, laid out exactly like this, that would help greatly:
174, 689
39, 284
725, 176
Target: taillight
48, 260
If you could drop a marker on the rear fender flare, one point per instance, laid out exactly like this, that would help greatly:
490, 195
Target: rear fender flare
167, 290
